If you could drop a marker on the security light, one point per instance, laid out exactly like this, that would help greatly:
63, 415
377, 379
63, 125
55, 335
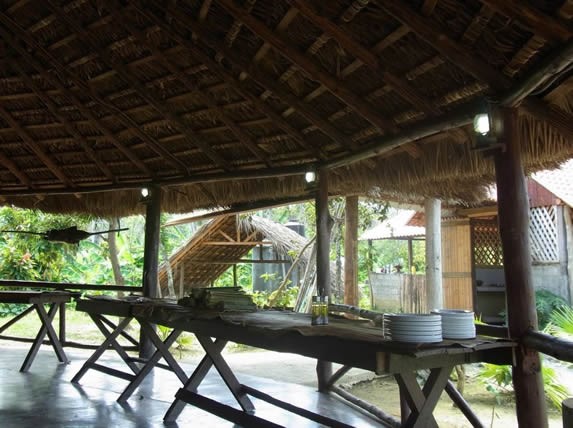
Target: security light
310, 177
482, 124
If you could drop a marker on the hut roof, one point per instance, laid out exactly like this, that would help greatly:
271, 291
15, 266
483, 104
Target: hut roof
558, 181
395, 227
228, 102
223, 242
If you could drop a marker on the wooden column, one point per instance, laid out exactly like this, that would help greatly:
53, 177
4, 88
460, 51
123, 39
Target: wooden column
434, 254
513, 209
410, 256
351, 296
323, 226
151, 258
567, 412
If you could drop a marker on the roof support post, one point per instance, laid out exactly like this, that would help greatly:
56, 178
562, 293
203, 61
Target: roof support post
151, 257
323, 226
513, 208
351, 251
433, 208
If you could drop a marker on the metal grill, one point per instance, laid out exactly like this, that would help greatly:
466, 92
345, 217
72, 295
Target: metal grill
543, 234
487, 243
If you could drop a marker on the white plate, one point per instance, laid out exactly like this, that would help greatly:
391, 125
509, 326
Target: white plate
459, 336
418, 339
413, 317
419, 329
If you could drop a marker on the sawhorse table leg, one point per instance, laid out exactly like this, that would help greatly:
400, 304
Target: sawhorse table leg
162, 350
422, 401
212, 357
110, 339
46, 319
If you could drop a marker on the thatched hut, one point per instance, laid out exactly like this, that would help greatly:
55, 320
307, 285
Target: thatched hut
227, 104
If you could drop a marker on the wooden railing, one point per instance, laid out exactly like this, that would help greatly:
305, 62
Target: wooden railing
49, 286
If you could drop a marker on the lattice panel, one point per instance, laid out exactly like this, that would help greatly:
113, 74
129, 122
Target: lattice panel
543, 234
487, 243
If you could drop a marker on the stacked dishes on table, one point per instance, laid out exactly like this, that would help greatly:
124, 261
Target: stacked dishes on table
457, 323
414, 328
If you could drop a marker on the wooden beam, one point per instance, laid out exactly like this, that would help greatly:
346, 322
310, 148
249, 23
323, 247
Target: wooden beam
513, 203
434, 36
546, 26
138, 184
334, 85
11, 166
478, 212
240, 62
161, 107
193, 87
80, 139
547, 70
423, 129
36, 149
399, 85
86, 112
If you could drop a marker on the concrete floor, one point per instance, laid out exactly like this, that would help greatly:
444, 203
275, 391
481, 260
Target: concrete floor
45, 397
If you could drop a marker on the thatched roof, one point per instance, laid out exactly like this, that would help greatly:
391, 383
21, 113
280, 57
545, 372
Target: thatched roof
222, 242
226, 102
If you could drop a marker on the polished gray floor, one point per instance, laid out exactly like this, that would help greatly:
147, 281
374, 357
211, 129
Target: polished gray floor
45, 397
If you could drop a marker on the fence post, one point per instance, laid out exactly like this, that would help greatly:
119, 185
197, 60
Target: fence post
567, 406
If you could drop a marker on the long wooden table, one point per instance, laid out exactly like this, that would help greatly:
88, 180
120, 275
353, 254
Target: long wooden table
347, 342
37, 300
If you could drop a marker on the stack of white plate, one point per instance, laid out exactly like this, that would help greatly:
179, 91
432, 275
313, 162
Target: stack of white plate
457, 323
415, 328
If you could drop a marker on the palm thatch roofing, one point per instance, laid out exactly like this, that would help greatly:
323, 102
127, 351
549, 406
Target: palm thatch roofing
221, 243
226, 102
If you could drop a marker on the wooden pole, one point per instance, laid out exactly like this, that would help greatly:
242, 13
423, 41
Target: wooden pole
410, 256
351, 252
513, 208
433, 254
151, 258
567, 408
323, 226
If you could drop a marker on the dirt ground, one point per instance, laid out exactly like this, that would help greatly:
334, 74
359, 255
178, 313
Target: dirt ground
383, 391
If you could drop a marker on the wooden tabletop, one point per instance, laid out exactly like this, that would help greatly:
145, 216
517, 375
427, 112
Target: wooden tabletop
35, 296
343, 341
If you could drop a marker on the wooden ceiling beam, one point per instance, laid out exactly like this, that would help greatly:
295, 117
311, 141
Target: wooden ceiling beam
243, 64
80, 139
239, 87
49, 77
34, 148
204, 10
283, 24
431, 34
128, 78
193, 87
549, 27
11, 166
334, 85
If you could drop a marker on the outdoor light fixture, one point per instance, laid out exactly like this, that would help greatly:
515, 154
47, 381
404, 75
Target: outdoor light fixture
145, 193
488, 128
481, 124
310, 176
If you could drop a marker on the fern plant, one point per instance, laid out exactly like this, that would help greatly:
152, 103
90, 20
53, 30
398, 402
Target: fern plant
498, 381
561, 322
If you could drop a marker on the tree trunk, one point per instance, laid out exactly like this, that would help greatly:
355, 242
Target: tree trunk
113, 253
351, 296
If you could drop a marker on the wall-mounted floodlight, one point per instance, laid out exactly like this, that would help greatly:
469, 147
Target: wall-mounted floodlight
482, 123
145, 193
310, 177
488, 127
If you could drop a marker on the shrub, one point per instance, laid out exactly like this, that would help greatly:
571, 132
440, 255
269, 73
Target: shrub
546, 302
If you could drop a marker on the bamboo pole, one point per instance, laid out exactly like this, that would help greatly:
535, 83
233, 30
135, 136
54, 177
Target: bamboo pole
513, 210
